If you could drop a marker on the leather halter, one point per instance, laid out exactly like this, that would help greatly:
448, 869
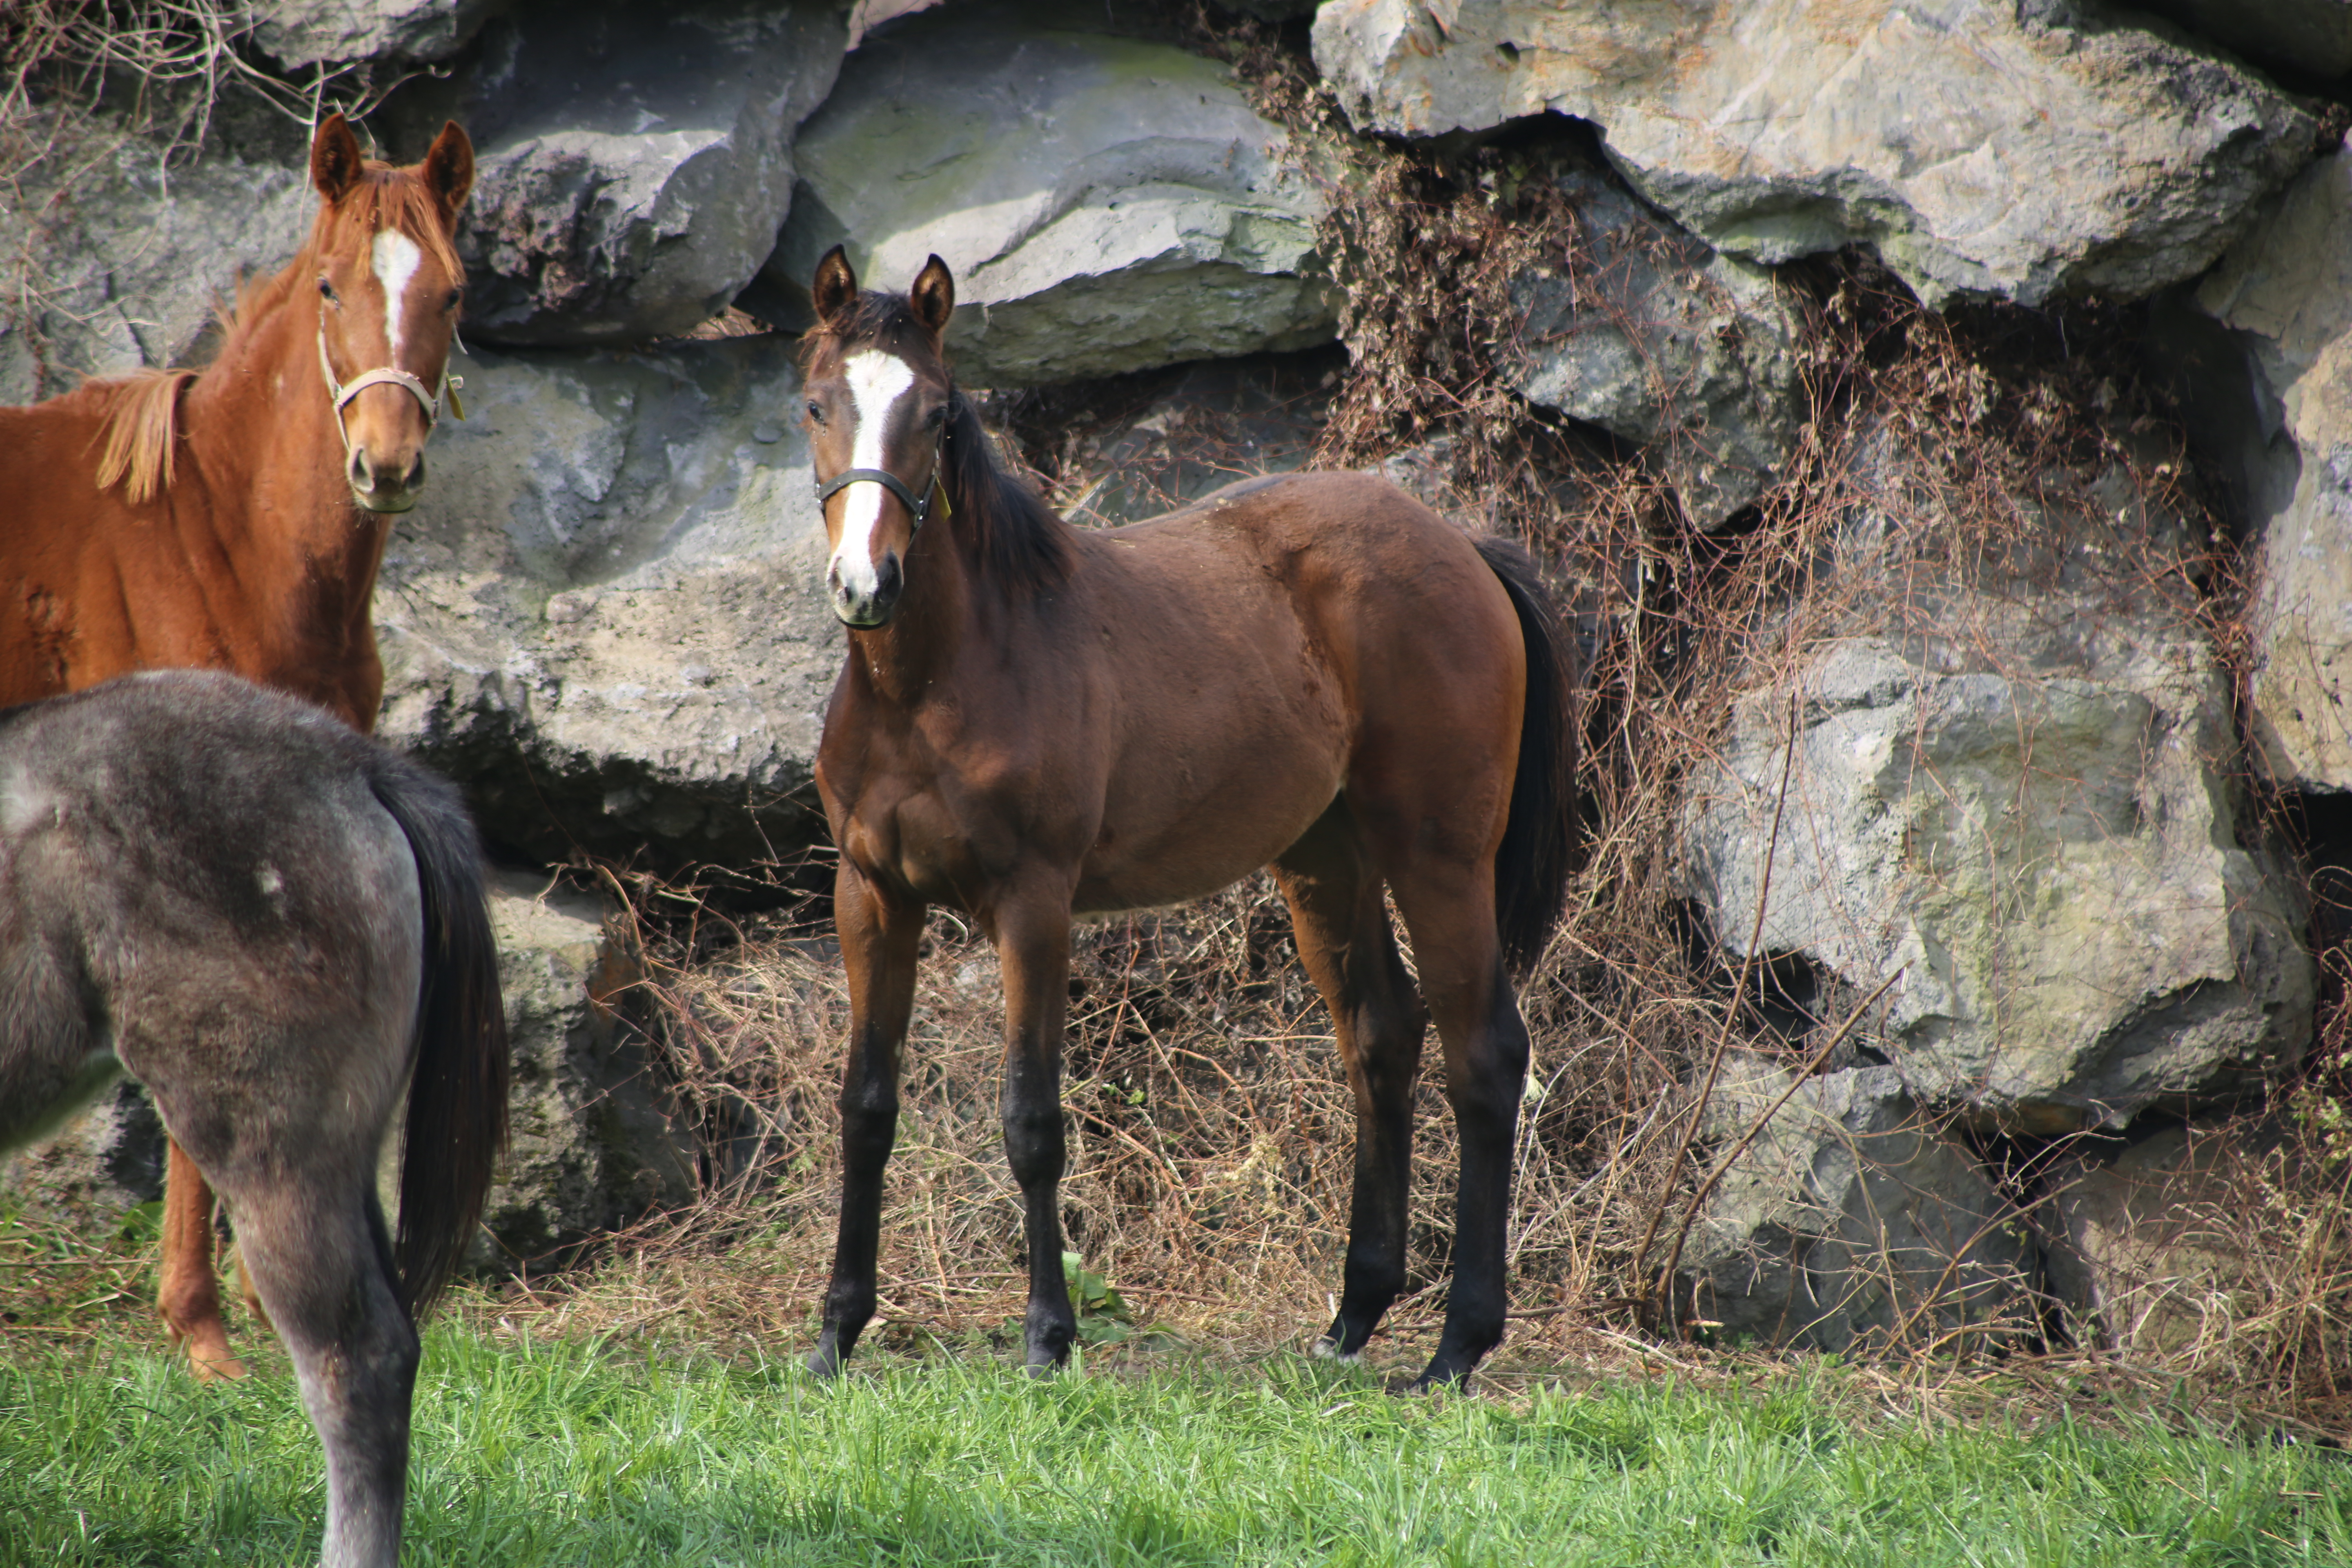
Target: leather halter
918, 510
342, 392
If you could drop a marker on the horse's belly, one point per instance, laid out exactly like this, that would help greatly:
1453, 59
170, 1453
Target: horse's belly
1204, 841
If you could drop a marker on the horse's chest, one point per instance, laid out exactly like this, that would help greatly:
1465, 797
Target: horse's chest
922, 841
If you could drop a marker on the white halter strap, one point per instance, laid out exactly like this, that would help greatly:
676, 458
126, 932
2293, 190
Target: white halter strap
342, 392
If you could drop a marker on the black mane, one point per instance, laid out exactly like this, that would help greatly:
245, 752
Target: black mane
1016, 538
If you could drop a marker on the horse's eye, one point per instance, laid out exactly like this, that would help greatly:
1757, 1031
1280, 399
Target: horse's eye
816, 411
939, 416
327, 292
451, 302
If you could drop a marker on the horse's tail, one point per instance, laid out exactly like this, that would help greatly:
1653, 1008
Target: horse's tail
1531, 865
457, 1094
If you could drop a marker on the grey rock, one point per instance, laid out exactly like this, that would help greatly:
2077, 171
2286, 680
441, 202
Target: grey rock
124, 264
606, 615
1851, 1220
2014, 793
318, 32
593, 1146
1108, 205
97, 1168
2308, 37
633, 163
1660, 340
1984, 148
2285, 294
2144, 1247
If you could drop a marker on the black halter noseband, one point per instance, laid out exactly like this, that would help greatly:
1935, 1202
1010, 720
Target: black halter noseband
918, 509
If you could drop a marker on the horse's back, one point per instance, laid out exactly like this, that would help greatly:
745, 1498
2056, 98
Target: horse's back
1274, 644
1357, 557
1391, 603
207, 864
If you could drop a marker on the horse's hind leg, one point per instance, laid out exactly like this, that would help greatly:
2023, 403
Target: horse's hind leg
1032, 945
314, 1246
188, 1294
1449, 910
1343, 927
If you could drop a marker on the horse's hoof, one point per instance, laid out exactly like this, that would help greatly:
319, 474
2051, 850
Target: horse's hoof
824, 1362
1434, 1379
1328, 1348
209, 1358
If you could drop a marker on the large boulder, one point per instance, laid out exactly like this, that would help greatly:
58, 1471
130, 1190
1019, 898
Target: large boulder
593, 1146
1662, 342
1983, 148
319, 31
2011, 794
633, 162
1108, 205
1850, 1218
2285, 293
126, 265
606, 616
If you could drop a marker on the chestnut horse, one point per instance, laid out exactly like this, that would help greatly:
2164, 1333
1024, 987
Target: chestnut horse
234, 517
1036, 721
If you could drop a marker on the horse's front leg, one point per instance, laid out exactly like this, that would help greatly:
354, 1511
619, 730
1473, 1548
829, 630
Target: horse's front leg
188, 1294
880, 937
1032, 945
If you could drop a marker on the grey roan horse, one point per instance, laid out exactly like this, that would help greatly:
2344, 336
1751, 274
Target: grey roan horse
276, 925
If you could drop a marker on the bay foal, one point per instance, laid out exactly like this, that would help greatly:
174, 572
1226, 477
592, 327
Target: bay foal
1036, 721
235, 517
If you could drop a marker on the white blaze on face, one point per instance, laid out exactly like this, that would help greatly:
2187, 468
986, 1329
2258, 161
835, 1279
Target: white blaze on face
877, 382
396, 260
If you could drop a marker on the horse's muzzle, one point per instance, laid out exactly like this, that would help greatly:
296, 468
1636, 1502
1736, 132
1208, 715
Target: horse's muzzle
380, 491
872, 607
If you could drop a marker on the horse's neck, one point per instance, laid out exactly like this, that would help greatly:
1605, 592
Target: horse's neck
918, 657
260, 428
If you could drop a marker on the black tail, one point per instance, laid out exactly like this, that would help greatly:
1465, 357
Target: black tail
457, 1097
1532, 865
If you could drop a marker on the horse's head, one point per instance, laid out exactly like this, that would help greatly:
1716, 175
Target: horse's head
879, 397
389, 284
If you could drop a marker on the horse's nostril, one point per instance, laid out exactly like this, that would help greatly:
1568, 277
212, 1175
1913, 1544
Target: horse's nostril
416, 480
363, 471
885, 577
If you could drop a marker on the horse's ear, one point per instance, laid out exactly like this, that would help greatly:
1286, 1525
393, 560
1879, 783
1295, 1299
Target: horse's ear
933, 296
449, 168
335, 161
834, 287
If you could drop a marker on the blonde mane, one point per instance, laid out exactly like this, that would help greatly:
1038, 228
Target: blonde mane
142, 425
140, 430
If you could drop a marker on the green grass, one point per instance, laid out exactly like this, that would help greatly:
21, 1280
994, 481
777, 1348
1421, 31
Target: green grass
559, 1451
